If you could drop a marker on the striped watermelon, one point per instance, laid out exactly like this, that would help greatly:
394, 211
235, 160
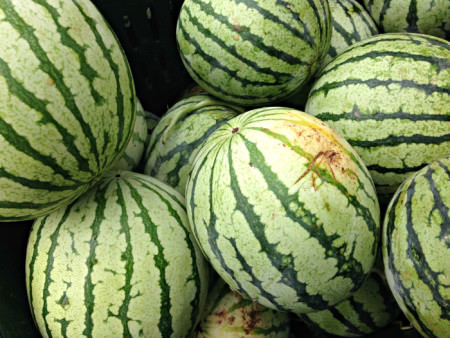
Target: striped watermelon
389, 96
179, 135
67, 103
119, 262
253, 52
416, 248
135, 148
229, 315
426, 16
284, 210
371, 308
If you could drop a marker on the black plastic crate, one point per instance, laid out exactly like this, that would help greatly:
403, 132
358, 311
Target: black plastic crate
146, 31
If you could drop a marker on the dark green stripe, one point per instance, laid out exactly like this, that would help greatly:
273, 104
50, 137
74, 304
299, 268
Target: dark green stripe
210, 226
160, 262
254, 280
27, 33
437, 62
351, 328
120, 127
349, 267
27, 205
184, 150
21, 143
412, 17
402, 170
384, 9
91, 261
364, 317
38, 226
49, 267
428, 88
128, 259
439, 207
360, 115
35, 183
395, 140
195, 273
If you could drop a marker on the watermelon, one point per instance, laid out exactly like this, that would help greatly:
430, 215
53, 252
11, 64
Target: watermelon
180, 133
135, 148
389, 96
119, 262
368, 310
229, 315
284, 210
253, 52
67, 103
426, 16
416, 248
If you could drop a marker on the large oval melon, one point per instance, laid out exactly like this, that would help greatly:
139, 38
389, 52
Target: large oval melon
284, 210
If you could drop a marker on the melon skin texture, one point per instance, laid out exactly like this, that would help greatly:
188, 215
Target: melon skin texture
119, 262
253, 52
416, 248
389, 97
67, 104
135, 149
284, 210
368, 310
180, 134
350, 24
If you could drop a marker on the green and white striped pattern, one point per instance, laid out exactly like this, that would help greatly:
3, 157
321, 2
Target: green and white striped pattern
389, 96
179, 135
120, 262
67, 103
284, 210
351, 23
418, 16
371, 308
229, 315
253, 52
416, 248
135, 149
